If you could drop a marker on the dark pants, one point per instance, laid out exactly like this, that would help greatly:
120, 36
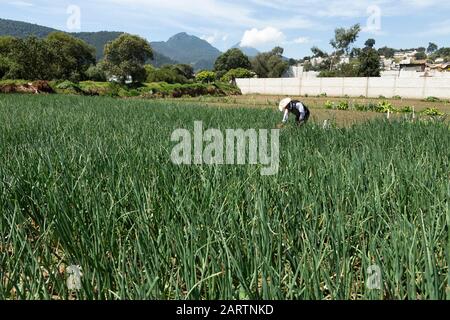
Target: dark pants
305, 119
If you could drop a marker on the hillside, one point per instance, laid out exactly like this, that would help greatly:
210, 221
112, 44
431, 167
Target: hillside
188, 49
23, 29
96, 39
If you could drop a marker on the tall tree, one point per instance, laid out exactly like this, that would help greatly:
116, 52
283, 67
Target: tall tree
29, 59
420, 55
343, 38
370, 43
318, 53
387, 52
126, 56
232, 59
72, 56
270, 64
369, 62
432, 47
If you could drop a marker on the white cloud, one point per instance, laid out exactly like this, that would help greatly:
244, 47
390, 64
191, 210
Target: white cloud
215, 37
257, 38
301, 40
21, 4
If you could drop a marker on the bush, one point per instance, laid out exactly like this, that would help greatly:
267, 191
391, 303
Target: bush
68, 87
96, 88
385, 107
343, 105
205, 76
237, 73
397, 97
406, 109
329, 105
96, 73
432, 99
163, 89
169, 74
432, 112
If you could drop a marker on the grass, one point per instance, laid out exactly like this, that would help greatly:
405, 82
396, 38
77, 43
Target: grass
88, 181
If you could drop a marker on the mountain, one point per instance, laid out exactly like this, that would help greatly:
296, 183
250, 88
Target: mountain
159, 60
20, 29
96, 39
189, 50
248, 51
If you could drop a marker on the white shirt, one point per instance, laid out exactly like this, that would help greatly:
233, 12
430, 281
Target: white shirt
299, 106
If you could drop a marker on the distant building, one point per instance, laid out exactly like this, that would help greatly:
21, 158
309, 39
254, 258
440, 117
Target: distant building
388, 64
403, 55
413, 65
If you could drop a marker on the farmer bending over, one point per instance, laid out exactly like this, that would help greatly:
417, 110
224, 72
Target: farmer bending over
300, 111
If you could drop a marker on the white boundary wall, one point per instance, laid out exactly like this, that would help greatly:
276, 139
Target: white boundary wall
415, 88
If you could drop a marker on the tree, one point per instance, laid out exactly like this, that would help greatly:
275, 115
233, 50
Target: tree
126, 56
293, 62
96, 73
71, 56
29, 59
420, 55
318, 53
370, 43
184, 70
387, 52
369, 62
355, 53
205, 76
232, 59
270, 64
343, 38
6, 47
432, 47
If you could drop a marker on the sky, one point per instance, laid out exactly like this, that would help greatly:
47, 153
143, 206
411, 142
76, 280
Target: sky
295, 25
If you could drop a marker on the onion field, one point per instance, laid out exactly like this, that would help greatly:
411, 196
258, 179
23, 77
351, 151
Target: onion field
361, 212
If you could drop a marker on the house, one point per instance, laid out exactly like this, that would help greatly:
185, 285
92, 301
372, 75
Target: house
316, 61
402, 55
388, 64
413, 65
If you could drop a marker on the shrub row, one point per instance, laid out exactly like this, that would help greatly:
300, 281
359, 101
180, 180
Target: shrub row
150, 90
381, 107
